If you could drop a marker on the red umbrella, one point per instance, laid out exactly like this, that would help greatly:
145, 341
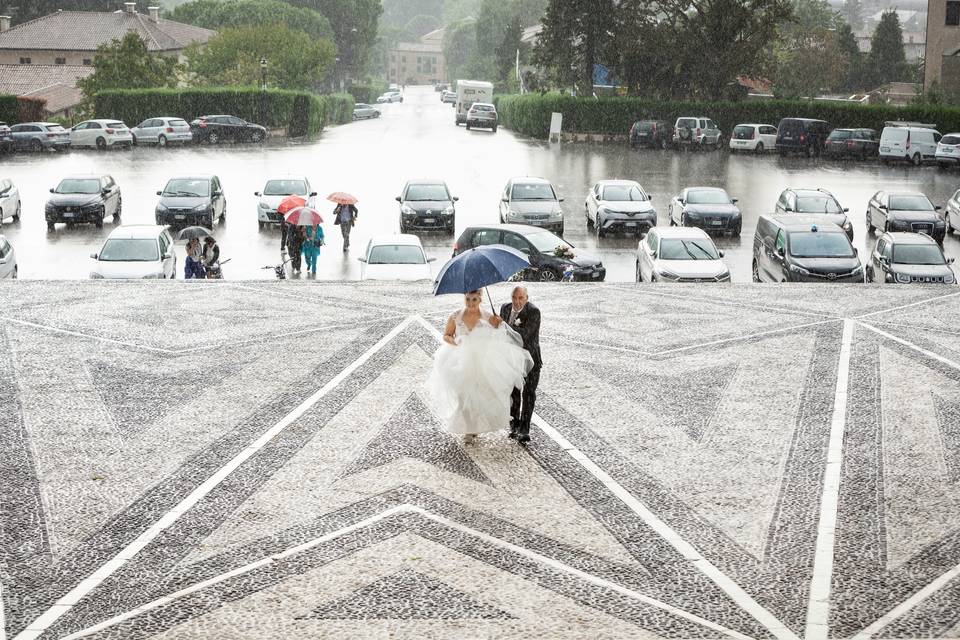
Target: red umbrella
342, 198
304, 217
290, 203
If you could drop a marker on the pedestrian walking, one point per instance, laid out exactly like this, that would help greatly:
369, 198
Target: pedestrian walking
192, 267
313, 240
346, 217
295, 237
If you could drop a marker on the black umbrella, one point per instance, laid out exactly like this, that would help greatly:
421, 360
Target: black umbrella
189, 233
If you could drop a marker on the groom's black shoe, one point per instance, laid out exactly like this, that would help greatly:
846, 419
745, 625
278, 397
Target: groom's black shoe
512, 435
522, 438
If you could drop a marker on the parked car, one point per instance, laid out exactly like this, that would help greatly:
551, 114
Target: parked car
38, 136
948, 151
531, 201
909, 258
814, 202
448, 97
8, 260
363, 111
390, 96
427, 205
162, 131
395, 257
905, 211
84, 198
192, 200
551, 257
709, 208
802, 135
136, 251
6, 137
756, 138
683, 254
101, 134
9, 200
619, 205
855, 143
440, 86
803, 249
951, 217
701, 132
273, 193
651, 133
217, 129
483, 115
913, 144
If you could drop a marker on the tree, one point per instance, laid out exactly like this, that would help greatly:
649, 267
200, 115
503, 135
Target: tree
398, 13
509, 46
847, 42
574, 38
296, 60
459, 47
127, 64
226, 14
887, 61
813, 63
354, 24
421, 25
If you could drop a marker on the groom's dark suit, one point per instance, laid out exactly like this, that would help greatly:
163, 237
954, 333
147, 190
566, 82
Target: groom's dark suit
527, 324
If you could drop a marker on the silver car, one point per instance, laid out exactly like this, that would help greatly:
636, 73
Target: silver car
162, 131
38, 136
483, 115
8, 260
9, 200
363, 111
531, 201
909, 258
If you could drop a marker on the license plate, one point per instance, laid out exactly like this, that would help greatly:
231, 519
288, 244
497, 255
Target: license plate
741, 142
429, 220
630, 224
67, 214
716, 223
884, 148
180, 217
596, 274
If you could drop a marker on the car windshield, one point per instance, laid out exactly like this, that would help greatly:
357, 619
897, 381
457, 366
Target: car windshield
644, 125
677, 249
546, 242
396, 254
532, 191
839, 134
187, 188
910, 203
708, 197
917, 254
55, 128
950, 140
427, 192
116, 125
817, 204
285, 188
742, 130
687, 122
130, 250
79, 186
815, 244
624, 193
179, 123
482, 107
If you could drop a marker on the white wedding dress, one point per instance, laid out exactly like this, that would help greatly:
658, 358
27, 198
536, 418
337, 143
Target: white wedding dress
470, 384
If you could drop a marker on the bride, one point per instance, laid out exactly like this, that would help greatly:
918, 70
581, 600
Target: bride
476, 369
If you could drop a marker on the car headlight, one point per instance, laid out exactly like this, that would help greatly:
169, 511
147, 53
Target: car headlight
161, 207
949, 279
92, 207
405, 210
603, 210
264, 206
902, 278
95, 276
724, 277
556, 214
448, 211
798, 269
201, 207
667, 275
847, 226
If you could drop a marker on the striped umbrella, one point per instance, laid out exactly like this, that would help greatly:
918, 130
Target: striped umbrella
290, 203
304, 217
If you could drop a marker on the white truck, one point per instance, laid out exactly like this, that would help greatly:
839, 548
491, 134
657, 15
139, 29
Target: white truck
468, 92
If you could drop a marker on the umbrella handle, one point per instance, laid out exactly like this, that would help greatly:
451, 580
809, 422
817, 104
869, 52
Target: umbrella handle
487, 289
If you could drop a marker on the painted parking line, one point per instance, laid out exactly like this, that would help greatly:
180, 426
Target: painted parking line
930, 354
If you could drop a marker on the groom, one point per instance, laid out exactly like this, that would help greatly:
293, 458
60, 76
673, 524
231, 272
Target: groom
524, 317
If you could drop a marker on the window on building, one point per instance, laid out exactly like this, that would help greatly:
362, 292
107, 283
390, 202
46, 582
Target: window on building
403, 58
953, 13
60, 61
87, 62
26, 61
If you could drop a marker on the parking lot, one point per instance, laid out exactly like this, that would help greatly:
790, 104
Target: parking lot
417, 138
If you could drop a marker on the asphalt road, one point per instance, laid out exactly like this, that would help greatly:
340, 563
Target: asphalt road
417, 138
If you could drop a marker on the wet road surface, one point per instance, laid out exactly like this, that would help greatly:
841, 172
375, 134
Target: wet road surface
417, 138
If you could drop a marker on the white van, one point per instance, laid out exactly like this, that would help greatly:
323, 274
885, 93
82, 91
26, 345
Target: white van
468, 92
914, 144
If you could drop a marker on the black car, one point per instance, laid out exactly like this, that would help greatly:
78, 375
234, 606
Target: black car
803, 249
551, 257
905, 211
191, 200
217, 129
651, 133
802, 135
709, 208
84, 198
815, 202
426, 205
909, 258
6, 137
852, 143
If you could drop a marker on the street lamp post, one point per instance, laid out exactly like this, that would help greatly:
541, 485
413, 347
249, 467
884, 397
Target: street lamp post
263, 73
336, 72
263, 90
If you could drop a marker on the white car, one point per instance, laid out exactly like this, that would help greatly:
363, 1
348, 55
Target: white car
8, 260
952, 214
363, 111
948, 151
680, 254
275, 190
162, 131
136, 251
391, 96
101, 134
619, 205
395, 257
755, 138
9, 200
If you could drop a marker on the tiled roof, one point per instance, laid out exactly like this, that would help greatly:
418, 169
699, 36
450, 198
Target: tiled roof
58, 96
87, 30
419, 47
23, 79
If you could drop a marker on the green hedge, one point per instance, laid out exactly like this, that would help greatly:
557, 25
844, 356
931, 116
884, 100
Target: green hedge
300, 113
9, 109
530, 114
366, 93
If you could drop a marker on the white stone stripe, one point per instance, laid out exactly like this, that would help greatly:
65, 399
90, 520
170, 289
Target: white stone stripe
687, 550
647, 290
3, 620
818, 608
906, 343
744, 338
907, 306
79, 334
41, 624
909, 604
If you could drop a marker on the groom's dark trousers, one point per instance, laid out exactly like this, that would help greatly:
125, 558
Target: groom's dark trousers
527, 324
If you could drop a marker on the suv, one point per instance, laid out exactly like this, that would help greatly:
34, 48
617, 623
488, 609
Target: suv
541, 247
803, 249
8, 260
915, 144
531, 201
696, 131
905, 211
619, 205
814, 202
802, 135
482, 114
191, 200
84, 198
427, 205
37, 136
948, 151
907, 258
651, 133
217, 129
162, 131
859, 143
6, 137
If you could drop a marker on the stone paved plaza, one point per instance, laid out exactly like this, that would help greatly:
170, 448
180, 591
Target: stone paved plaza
231, 460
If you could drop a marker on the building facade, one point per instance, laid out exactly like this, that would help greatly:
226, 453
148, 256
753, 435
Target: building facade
418, 62
942, 56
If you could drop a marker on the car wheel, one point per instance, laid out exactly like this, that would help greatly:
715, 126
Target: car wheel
759, 148
468, 126
257, 136
119, 211
598, 226
808, 151
735, 231
683, 220
213, 138
870, 227
50, 226
16, 214
133, 140
663, 144
548, 275
99, 222
16, 272
586, 213
162, 141
260, 225
756, 272
494, 129
948, 228
869, 274
639, 274
208, 222
916, 160
101, 144
886, 226
36, 145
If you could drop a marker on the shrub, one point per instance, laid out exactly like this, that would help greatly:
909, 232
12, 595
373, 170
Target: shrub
31, 109
9, 109
367, 93
339, 108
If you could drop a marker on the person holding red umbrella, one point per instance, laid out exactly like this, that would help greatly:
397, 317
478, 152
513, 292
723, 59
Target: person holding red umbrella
346, 214
287, 205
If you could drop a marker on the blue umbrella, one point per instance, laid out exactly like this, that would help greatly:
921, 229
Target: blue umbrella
479, 267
